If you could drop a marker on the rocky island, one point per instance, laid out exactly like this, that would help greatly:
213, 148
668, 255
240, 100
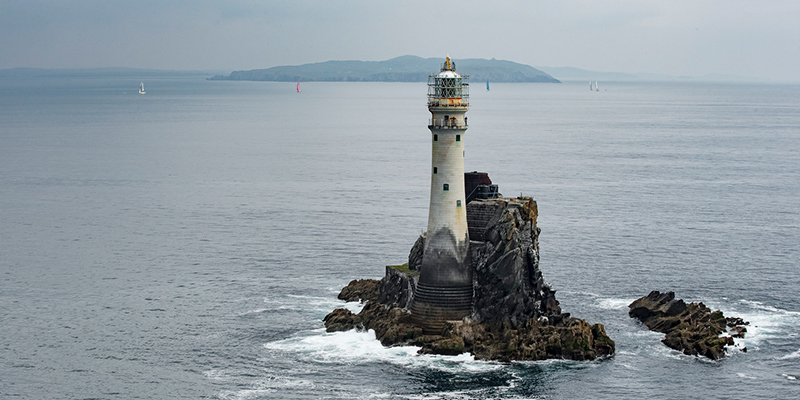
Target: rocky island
472, 282
515, 315
691, 328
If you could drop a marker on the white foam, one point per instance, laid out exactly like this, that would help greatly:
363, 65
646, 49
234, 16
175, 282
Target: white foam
313, 303
766, 322
741, 375
353, 347
256, 387
661, 350
466, 394
614, 304
791, 356
789, 377
255, 311
244, 394
761, 306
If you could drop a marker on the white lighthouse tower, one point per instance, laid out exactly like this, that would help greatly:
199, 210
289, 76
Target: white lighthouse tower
444, 290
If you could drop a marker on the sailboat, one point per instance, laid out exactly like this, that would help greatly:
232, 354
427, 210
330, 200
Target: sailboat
141, 88
298, 87
591, 85
487, 86
596, 86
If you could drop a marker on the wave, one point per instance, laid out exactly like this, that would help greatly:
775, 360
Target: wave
766, 322
257, 388
354, 347
744, 376
791, 356
614, 303
603, 303
303, 303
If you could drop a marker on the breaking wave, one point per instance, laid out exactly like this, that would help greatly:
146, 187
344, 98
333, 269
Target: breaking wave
362, 347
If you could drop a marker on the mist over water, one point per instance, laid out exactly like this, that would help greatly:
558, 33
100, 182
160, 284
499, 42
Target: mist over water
188, 242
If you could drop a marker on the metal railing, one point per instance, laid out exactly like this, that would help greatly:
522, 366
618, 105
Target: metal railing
446, 124
439, 102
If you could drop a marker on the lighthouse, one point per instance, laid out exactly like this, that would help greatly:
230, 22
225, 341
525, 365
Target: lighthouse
444, 289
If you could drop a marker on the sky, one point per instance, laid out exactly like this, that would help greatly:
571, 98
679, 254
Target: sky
680, 38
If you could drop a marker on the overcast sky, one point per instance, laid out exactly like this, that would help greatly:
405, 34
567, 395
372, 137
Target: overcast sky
676, 37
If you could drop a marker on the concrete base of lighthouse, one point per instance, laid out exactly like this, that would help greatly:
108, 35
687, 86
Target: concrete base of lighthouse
433, 306
444, 291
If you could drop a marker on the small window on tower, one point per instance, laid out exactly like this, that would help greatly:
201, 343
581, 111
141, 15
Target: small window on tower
446, 187
435, 170
458, 138
435, 138
458, 203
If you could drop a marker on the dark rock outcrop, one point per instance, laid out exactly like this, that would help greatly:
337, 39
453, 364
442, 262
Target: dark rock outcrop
341, 320
515, 314
568, 338
398, 286
691, 328
509, 286
360, 290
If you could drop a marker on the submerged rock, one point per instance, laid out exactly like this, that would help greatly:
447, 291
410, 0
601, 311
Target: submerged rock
515, 314
691, 328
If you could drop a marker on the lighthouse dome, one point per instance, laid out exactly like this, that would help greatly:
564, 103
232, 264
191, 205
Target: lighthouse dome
448, 74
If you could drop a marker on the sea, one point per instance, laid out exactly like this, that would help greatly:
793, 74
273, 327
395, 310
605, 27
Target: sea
186, 243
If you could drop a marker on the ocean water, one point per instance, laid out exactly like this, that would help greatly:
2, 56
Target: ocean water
187, 243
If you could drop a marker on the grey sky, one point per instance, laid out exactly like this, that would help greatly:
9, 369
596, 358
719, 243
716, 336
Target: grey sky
674, 37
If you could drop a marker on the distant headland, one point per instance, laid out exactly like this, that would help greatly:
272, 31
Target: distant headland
399, 69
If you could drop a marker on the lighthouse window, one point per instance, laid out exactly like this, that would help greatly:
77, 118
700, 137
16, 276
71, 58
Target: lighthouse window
446, 187
458, 138
435, 170
435, 138
458, 203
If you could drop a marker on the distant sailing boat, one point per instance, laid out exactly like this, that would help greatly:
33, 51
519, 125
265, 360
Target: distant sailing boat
487, 86
141, 88
298, 87
596, 86
591, 85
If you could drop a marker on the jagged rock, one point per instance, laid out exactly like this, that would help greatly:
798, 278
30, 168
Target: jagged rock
341, 319
738, 331
392, 325
515, 313
415, 256
360, 290
691, 328
448, 346
736, 321
572, 339
397, 287
509, 286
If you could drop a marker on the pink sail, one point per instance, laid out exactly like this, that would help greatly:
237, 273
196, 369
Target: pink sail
298, 87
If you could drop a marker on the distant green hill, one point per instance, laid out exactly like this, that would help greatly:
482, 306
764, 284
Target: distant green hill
400, 69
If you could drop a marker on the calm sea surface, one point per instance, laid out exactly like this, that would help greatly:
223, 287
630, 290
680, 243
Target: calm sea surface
187, 243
